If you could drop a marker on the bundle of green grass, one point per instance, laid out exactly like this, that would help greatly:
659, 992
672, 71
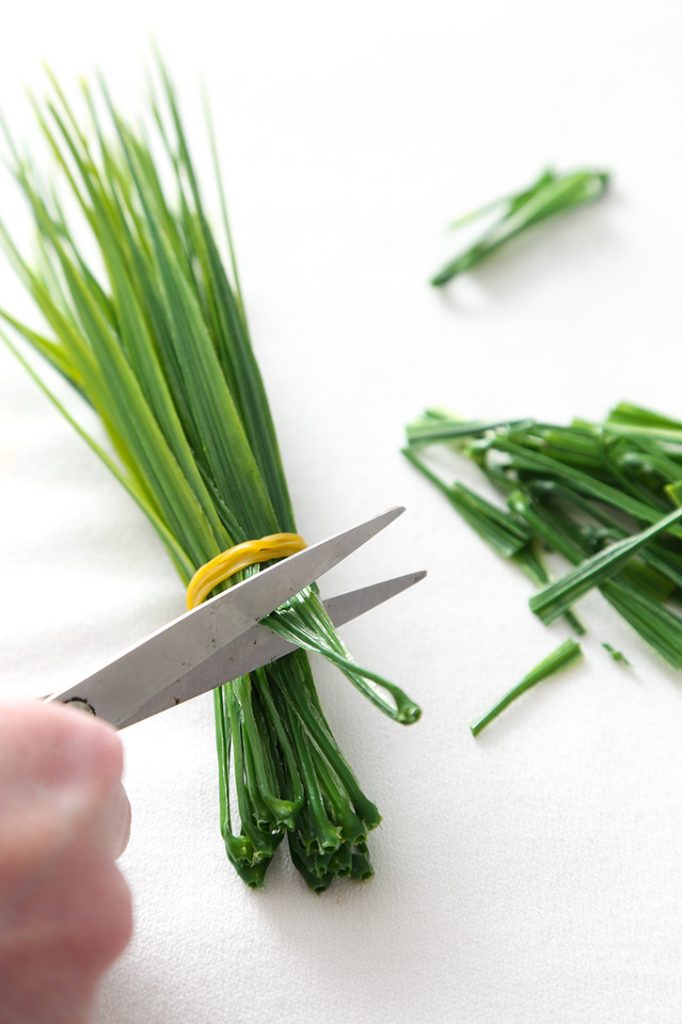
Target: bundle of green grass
152, 334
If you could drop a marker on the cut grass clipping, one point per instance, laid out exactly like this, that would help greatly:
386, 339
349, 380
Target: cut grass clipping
152, 333
604, 496
566, 653
549, 196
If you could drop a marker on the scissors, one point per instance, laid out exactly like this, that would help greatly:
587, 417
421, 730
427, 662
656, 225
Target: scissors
223, 639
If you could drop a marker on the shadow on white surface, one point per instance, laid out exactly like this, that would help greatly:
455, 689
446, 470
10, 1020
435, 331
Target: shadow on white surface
556, 250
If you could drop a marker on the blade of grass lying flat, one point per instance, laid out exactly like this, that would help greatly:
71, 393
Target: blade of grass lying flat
667, 564
627, 414
495, 526
617, 457
566, 653
557, 597
656, 624
574, 448
530, 562
503, 532
523, 459
556, 533
652, 460
431, 431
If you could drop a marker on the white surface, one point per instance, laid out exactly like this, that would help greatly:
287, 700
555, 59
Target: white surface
534, 875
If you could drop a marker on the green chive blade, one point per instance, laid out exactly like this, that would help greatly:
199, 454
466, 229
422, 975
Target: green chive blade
566, 653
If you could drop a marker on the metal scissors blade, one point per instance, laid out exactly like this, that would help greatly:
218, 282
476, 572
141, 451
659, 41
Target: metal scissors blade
259, 646
165, 658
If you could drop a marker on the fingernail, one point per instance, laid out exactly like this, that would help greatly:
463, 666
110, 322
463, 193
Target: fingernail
117, 822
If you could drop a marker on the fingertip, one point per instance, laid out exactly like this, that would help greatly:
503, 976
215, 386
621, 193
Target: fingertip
102, 745
56, 743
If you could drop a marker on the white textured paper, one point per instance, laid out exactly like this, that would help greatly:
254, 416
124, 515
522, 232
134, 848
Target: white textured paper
534, 875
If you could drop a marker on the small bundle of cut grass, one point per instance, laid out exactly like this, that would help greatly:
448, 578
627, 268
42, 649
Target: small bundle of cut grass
153, 335
551, 194
605, 496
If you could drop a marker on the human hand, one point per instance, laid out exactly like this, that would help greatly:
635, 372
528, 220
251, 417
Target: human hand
65, 910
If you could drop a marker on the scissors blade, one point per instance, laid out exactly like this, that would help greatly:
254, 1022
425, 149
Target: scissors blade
117, 691
259, 646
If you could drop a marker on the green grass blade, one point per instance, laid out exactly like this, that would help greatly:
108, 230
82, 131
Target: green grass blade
557, 597
566, 653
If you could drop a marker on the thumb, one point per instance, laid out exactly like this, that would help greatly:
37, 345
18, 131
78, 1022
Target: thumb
115, 822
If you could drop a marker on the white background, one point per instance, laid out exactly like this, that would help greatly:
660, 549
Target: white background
533, 875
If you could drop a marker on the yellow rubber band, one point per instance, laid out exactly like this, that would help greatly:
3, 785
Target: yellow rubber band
241, 556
